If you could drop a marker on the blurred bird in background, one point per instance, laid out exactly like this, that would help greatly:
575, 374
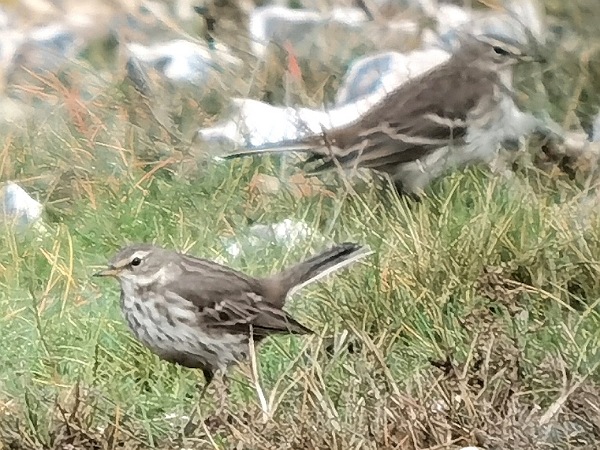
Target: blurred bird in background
456, 114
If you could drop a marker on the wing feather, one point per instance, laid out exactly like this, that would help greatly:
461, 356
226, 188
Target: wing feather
224, 298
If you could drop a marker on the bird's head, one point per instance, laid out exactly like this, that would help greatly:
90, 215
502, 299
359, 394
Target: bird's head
137, 262
498, 51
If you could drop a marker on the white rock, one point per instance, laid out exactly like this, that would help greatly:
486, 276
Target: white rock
529, 15
10, 41
54, 33
253, 123
18, 207
379, 74
5, 22
57, 39
439, 406
596, 129
44, 48
184, 10
280, 25
451, 17
183, 61
346, 16
427, 7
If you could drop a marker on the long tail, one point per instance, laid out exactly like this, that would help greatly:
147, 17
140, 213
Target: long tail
310, 145
321, 265
319, 159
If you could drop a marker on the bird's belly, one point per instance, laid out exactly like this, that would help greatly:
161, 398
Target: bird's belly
175, 337
417, 175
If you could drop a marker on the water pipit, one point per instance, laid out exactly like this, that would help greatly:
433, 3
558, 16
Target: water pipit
201, 314
458, 113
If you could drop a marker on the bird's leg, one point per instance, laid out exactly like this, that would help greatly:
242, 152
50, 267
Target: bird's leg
408, 195
222, 388
382, 186
190, 426
398, 187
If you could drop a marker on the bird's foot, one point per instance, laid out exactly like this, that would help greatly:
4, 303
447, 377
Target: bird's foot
222, 391
191, 426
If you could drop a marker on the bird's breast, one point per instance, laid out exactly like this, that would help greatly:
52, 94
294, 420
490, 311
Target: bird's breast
172, 331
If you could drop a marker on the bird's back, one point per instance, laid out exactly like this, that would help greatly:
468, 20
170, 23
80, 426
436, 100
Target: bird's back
447, 91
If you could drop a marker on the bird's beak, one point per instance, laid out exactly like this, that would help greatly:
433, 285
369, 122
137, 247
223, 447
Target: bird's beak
534, 58
108, 272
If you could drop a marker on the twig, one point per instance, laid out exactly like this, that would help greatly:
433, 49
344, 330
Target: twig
255, 379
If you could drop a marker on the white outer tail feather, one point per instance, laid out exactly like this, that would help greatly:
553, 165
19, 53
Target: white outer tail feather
357, 255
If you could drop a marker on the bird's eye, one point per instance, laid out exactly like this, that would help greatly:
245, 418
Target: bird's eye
500, 51
136, 261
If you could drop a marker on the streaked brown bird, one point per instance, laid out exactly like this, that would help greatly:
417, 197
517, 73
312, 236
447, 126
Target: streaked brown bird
458, 113
201, 314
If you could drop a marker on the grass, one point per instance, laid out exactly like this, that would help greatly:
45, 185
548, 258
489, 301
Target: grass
476, 321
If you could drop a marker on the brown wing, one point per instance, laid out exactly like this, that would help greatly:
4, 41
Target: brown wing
250, 309
423, 115
225, 298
